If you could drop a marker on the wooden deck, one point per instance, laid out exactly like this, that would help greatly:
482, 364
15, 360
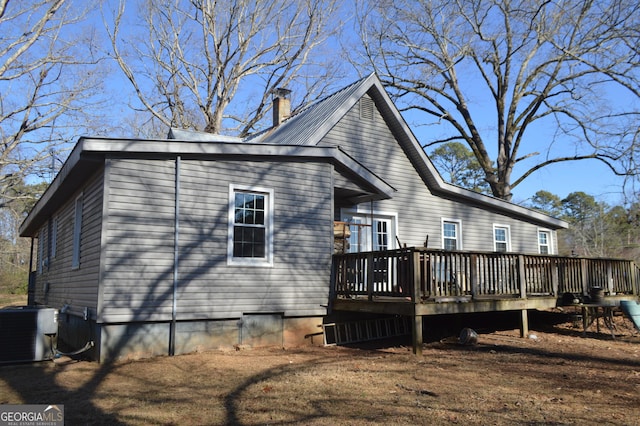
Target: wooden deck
418, 282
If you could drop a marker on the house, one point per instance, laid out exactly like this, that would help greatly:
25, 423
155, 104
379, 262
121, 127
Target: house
200, 241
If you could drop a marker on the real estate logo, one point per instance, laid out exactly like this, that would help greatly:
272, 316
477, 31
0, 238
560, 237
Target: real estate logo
32, 415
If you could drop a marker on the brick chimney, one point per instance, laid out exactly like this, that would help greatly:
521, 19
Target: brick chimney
281, 105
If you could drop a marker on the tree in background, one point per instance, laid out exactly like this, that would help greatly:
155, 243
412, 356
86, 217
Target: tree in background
595, 228
547, 203
626, 224
14, 251
460, 167
588, 224
47, 77
213, 65
48, 82
494, 72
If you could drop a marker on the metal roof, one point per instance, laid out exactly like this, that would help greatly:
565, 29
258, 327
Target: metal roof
309, 125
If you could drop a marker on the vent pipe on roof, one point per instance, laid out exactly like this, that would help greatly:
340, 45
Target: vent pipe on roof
281, 105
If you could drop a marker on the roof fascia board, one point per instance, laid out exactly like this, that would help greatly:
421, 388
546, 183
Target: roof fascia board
176, 147
124, 147
195, 136
181, 147
503, 205
383, 188
72, 160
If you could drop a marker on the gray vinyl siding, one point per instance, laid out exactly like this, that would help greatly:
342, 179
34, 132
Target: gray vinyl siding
297, 284
75, 287
420, 212
342, 181
138, 270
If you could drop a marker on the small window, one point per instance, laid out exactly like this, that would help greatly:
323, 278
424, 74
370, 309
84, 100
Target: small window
544, 242
77, 231
451, 235
501, 238
250, 226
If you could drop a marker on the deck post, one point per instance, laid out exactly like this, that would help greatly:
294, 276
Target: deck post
524, 318
416, 295
333, 282
555, 276
416, 298
584, 274
417, 334
370, 273
522, 281
473, 274
524, 323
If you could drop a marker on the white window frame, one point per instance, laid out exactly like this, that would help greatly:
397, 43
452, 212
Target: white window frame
507, 228
458, 224
549, 240
366, 215
387, 232
77, 231
267, 260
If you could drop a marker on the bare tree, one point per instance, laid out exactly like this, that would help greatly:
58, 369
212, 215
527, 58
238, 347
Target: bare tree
212, 65
42, 89
499, 73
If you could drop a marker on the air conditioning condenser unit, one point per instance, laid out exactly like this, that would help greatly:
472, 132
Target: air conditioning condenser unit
26, 333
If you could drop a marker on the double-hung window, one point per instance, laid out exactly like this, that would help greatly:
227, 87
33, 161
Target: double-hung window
502, 238
250, 226
451, 235
544, 242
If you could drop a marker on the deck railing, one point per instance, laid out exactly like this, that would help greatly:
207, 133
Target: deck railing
435, 274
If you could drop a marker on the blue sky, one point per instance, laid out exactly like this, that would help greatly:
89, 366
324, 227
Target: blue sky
114, 119
590, 176
561, 179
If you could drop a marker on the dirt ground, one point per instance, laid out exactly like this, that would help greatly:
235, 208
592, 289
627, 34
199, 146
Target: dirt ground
553, 377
